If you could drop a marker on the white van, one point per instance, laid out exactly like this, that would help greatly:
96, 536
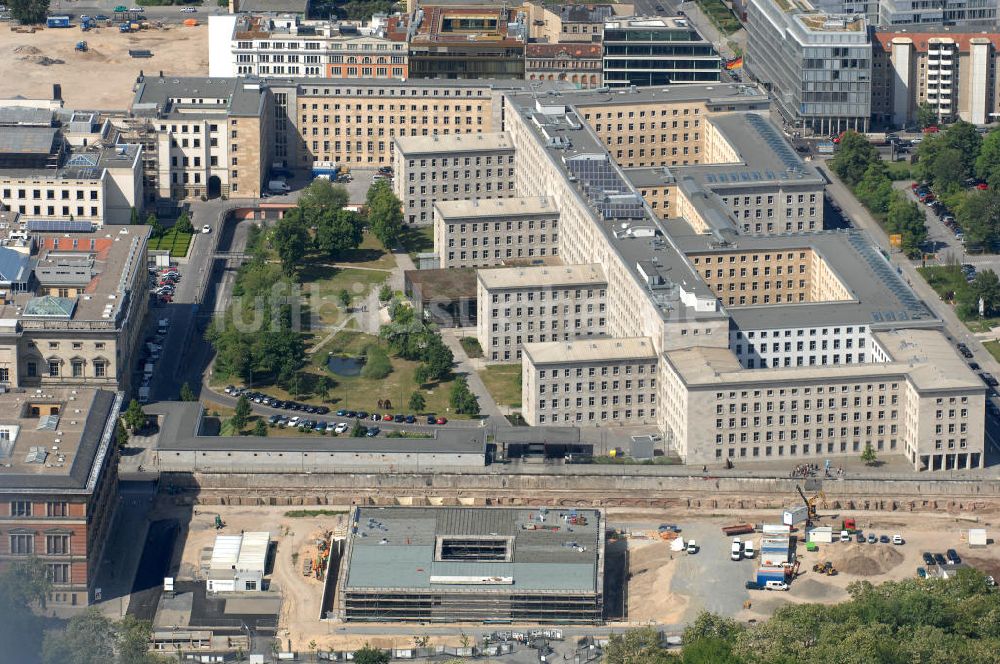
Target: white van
845, 536
748, 549
692, 547
776, 585
737, 550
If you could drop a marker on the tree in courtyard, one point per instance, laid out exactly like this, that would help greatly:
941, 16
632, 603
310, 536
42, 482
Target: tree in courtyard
24, 585
89, 638
385, 293
323, 386
988, 160
183, 223
133, 416
338, 231
121, 433
344, 298
260, 429
321, 197
290, 238
869, 456
385, 214
187, 394
906, 218
242, 412
462, 399
854, 155
156, 229
417, 402
369, 655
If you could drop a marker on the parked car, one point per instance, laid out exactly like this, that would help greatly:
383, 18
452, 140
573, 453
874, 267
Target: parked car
442, 420
871, 538
341, 427
989, 379
410, 419
883, 539
776, 585
431, 419
387, 418
921, 572
953, 557
692, 546
206, 229
753, 585
939, 559
399, 419
859, 537
928, 558
371, 432
897, 539
376, 417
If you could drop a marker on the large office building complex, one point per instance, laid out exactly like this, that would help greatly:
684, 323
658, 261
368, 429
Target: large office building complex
953, 73
462, 564
816, 65
657, 51
700, 292
895, 14
58, 485
494, 231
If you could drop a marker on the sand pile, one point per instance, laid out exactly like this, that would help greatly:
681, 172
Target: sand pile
27, 50
867, 559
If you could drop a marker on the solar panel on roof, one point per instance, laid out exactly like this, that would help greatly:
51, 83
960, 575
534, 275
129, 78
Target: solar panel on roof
59, 226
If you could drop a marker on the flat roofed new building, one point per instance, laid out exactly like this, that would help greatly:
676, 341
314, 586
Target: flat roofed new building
483, 232
817, 66
657, 51
58, 484
438, 167
472, 564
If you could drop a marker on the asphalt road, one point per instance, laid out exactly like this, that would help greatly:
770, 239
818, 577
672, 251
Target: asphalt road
167, 14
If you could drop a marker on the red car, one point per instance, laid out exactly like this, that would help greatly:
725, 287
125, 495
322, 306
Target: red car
442, 420
982, 186
387, 418
931, 130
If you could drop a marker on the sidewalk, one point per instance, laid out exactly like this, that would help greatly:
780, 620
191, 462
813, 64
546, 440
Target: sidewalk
463, 365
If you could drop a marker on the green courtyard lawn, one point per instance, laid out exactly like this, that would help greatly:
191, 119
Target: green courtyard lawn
174, 241
720, 15
417, 240
321, 285
994, 348
370, 254
504, 383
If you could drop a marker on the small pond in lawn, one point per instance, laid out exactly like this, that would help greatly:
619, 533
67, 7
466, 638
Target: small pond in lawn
345, 366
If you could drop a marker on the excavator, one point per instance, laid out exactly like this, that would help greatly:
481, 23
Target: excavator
811, 504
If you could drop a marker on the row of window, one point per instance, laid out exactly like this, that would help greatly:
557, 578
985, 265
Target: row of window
50, 194
594, 416
509, 253
510, 240
24, 545
78, 369
25, 508
807, 448
806, 434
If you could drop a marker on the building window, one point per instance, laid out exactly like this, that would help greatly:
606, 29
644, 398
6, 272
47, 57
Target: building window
53, 367
59, 572
32, 370
22, 545
100, 369
58, 508
20, 508
77, 368
4, 375
57, 545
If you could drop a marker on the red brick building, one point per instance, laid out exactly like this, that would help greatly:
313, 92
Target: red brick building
58, 483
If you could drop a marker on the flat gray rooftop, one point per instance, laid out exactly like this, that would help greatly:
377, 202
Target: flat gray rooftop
881, 298
615, 204
716, 95
396, 548
27, 140
240, 96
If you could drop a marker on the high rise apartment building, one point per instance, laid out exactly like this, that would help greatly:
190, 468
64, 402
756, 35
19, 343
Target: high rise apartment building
953, 73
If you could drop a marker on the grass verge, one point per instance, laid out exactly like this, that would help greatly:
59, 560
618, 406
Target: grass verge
174, 241
504, 383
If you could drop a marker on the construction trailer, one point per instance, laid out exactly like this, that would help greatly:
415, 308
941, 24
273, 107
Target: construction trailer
238, 562
472, 564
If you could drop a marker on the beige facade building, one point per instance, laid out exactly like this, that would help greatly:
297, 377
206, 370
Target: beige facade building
62, 166
954, 73
441, 167
484, 232
724, 313
210, 137
567, 24
591, 382
72, 306
549, 303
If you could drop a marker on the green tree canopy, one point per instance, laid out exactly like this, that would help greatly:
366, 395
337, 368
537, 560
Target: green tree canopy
338, 231
979, 217
369, 655
260, 429
187, 394
986, 287
906, 218
321, 197
385, 213
926, 116
28, 11
417, 402
133, 416
988, 160
853, 158
242, 412
963, 137
183, 223
290, 238
462, 398
89, 638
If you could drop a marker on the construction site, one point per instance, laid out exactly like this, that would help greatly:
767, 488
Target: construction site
99, 76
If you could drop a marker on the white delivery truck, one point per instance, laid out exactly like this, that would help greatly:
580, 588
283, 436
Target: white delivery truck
278, 187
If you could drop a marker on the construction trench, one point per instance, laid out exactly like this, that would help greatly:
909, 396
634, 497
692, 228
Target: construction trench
581, 489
